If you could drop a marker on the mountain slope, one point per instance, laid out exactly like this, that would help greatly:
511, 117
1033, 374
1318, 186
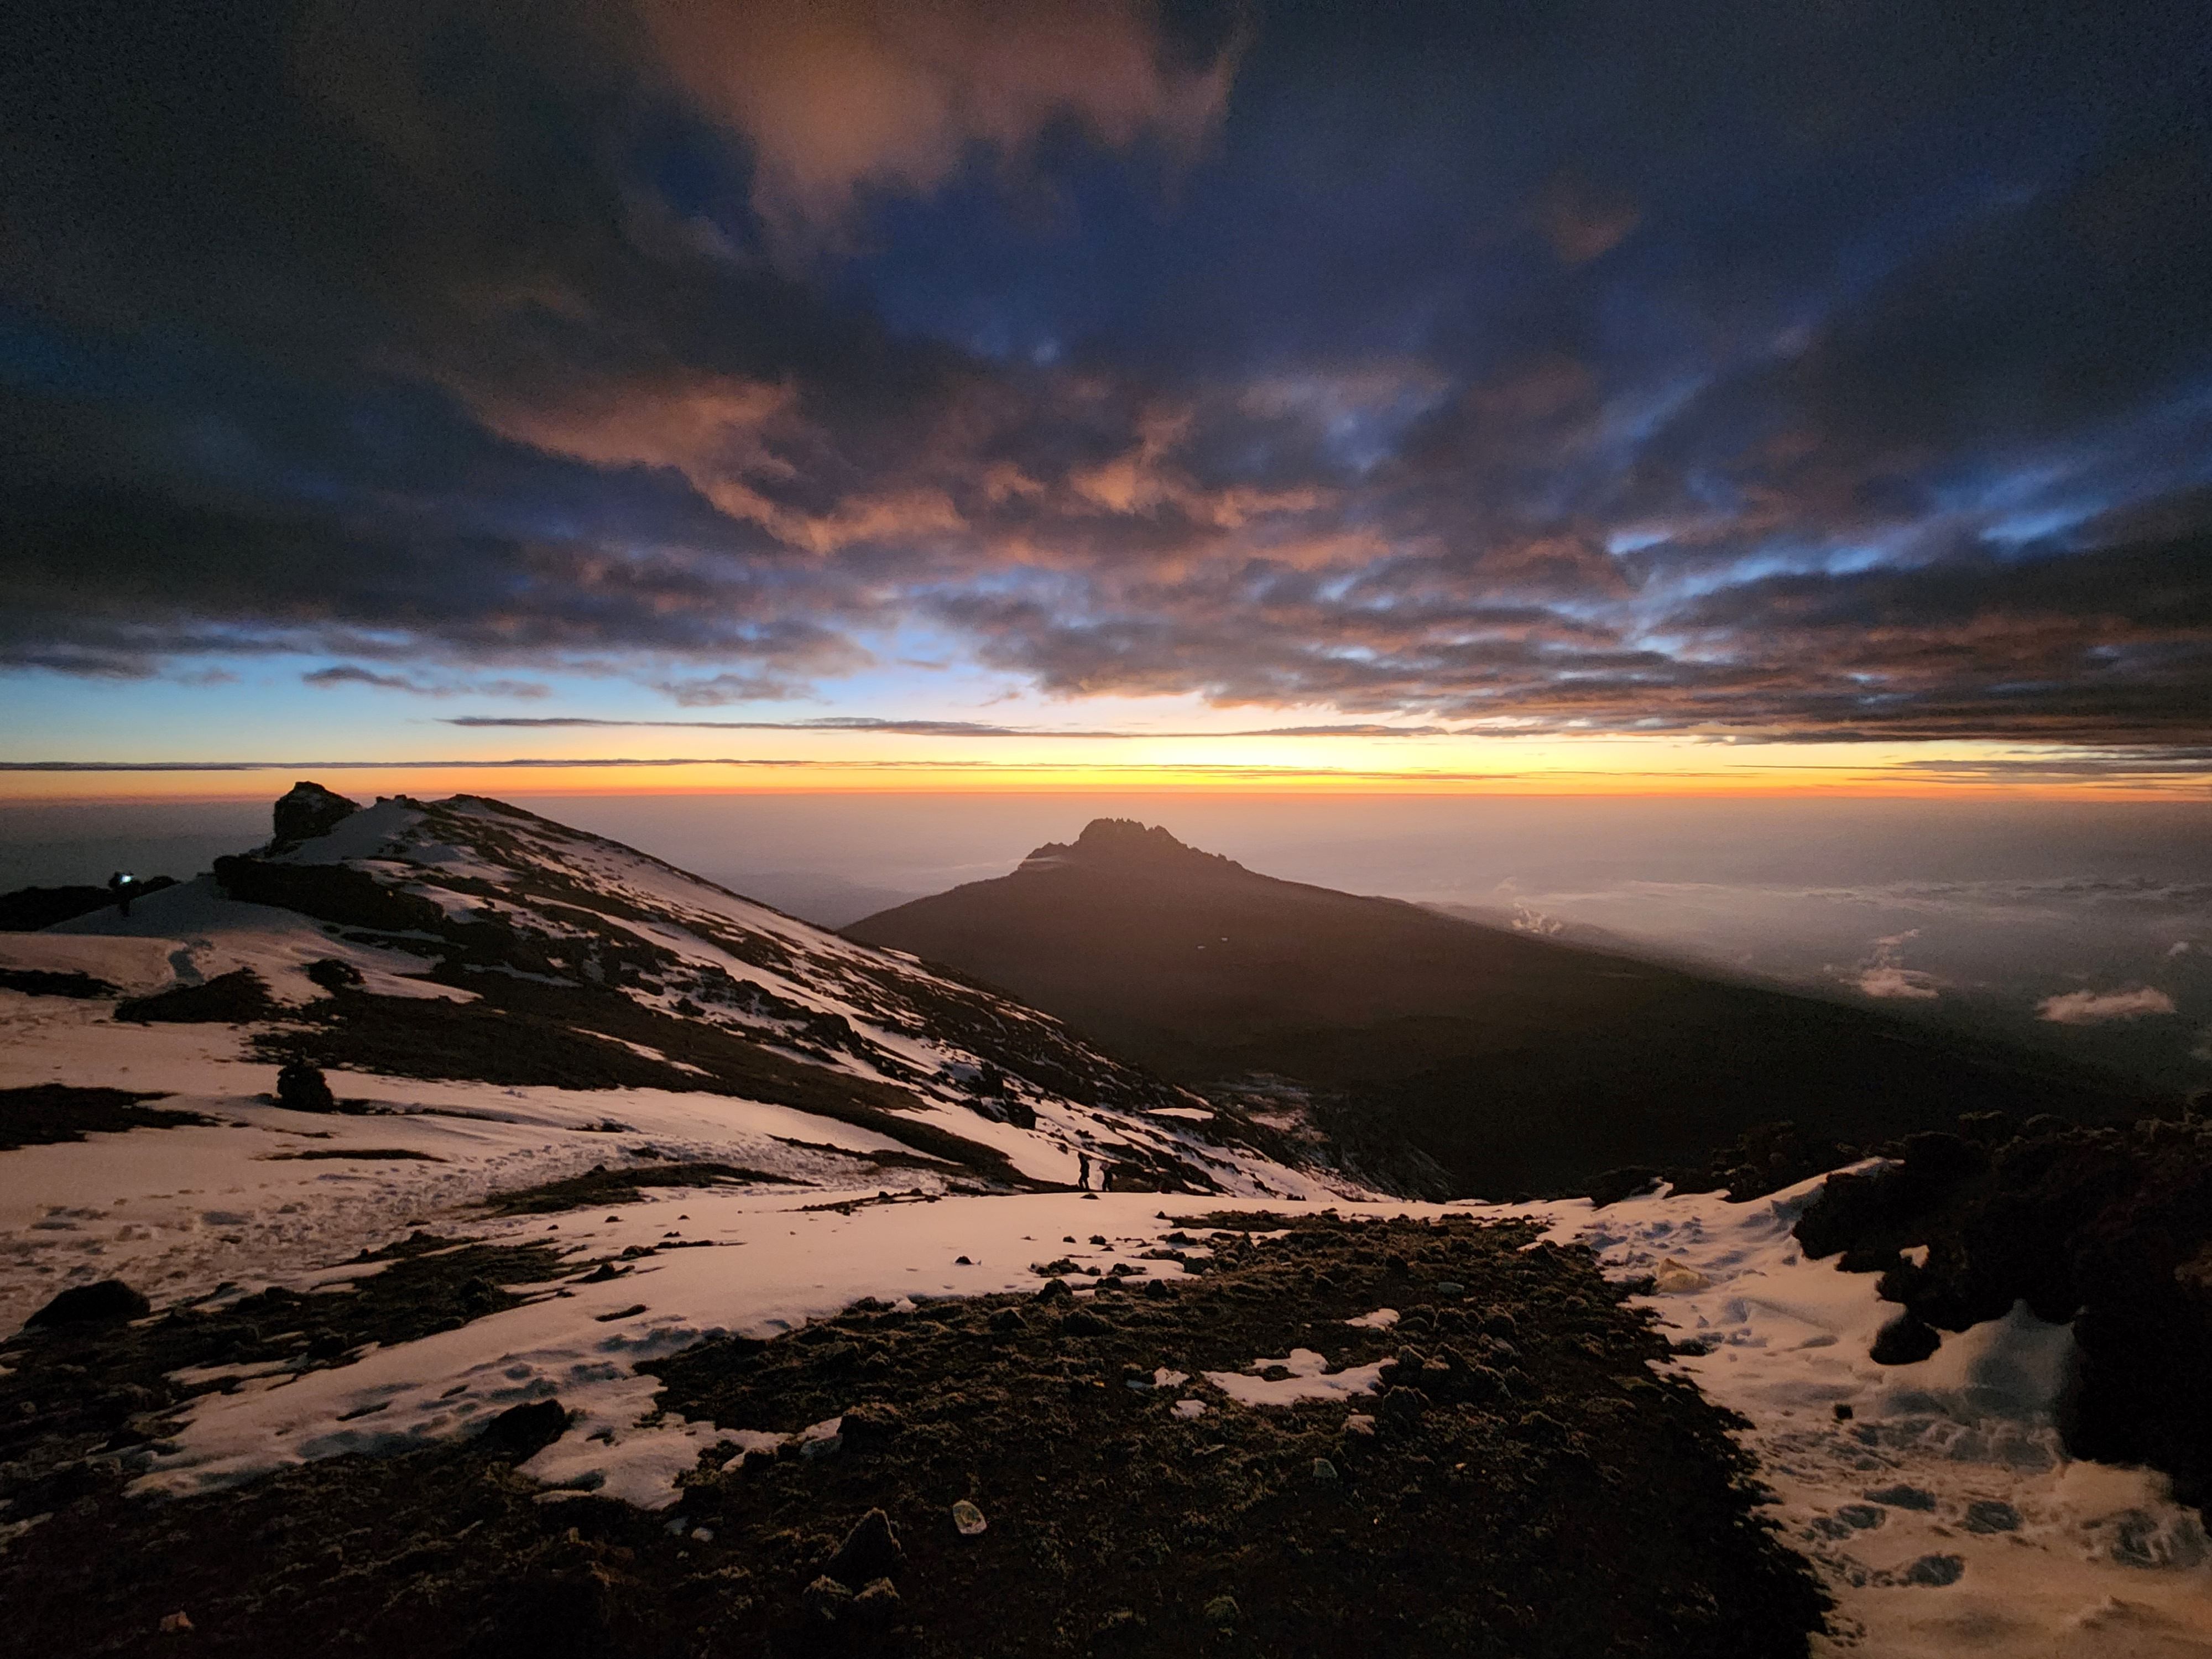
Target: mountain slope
1517, 1062
468, 939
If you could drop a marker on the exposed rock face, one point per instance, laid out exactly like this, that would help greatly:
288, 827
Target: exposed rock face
308, 810
2109, 1228
1125, 842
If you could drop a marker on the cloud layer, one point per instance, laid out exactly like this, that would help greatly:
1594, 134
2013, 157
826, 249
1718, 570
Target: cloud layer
1435, 371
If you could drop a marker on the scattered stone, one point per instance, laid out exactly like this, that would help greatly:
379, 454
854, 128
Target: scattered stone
825, 1600
2140, 1539
1361, 1424
1323, 1469
876, 1608
39, 982
1083, 1322
110, 1301
871, 1425
1901, 1498
1674, 1279
1403, 1403
47, 1112
967, 1520
1990, 1515
1843, 1412
520, 1432
870, 1551
228, 999
1864, 1516
176, 1624
333, 974
301, 1088
1936, 1571
1223, 1613
1905, 1340
1053, 1290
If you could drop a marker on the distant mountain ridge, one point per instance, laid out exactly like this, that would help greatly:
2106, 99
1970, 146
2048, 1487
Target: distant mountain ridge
1515, 1061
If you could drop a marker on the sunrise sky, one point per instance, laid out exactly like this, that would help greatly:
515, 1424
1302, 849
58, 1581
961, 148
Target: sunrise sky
1526, 398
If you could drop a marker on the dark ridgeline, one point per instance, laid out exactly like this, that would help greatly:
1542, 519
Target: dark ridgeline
1519, 1064
27, 909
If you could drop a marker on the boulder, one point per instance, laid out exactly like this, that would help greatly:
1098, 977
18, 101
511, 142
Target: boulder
109, 1302
1905, 1340
308, 811
870, 1551
520, 1432
302, 1088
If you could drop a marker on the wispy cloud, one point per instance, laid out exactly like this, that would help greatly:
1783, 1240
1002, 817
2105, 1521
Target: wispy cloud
1884, 974
2102, 1008
354, 674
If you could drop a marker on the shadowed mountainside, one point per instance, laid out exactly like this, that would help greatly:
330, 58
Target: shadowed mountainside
1517, 1063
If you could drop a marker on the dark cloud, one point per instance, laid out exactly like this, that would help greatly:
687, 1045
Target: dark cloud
1758, 371
1112, 770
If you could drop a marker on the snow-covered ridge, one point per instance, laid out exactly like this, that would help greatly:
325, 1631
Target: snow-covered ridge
435, 900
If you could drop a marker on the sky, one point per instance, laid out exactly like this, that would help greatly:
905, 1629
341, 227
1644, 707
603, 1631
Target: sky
1622, 397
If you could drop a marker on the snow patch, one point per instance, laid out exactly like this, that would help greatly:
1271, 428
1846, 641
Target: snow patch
1309, 1379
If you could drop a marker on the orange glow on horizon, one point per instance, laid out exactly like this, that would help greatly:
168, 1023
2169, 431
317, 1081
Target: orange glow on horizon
553, 776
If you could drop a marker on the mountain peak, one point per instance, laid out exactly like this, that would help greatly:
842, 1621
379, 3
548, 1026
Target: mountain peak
308, 809
1122, 842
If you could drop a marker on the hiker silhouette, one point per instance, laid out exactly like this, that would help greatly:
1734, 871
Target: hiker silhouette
122, 885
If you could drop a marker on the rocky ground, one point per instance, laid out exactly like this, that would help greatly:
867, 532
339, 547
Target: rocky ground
1122, 1472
